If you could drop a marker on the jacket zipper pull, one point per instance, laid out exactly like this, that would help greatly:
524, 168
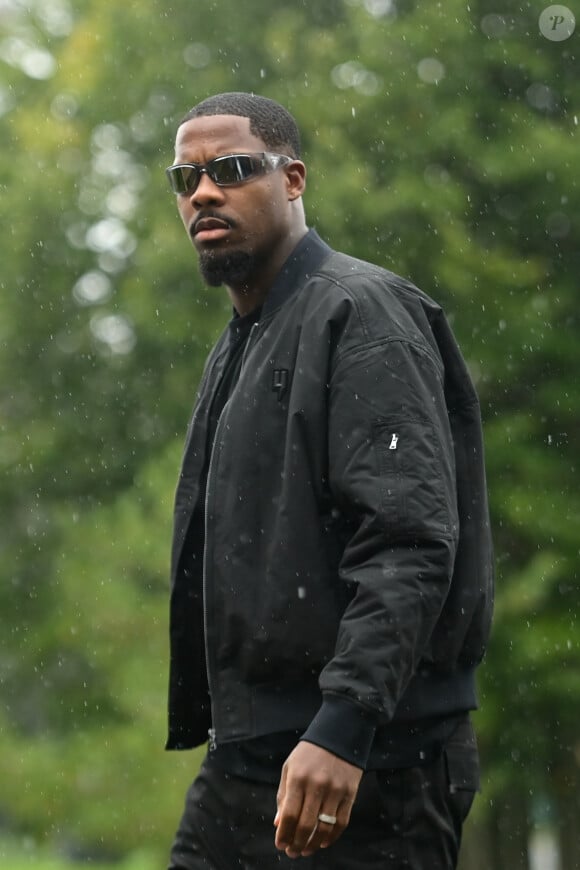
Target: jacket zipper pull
211, 740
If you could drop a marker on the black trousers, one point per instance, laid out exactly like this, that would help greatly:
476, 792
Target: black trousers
410, 818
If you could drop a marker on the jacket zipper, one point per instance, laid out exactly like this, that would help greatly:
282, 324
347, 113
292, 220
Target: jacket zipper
212, 741
212, 732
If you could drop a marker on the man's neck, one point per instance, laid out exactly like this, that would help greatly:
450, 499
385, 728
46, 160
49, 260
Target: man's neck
253, 293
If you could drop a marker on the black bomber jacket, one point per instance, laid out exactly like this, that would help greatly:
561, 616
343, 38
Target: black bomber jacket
344, 582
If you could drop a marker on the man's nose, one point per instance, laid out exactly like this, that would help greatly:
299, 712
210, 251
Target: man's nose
206, 191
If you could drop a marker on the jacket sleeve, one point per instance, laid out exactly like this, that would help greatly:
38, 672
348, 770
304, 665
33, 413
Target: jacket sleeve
392, 472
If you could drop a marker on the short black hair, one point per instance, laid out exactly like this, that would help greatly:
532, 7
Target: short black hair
268, 119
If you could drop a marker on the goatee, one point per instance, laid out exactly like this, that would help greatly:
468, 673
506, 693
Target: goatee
233, 268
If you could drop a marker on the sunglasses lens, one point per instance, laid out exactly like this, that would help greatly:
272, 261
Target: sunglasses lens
182, 178
232, 169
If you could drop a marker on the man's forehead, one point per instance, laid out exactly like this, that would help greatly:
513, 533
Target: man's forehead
217, 134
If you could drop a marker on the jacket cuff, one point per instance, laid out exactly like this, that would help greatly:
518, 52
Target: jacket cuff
343, 728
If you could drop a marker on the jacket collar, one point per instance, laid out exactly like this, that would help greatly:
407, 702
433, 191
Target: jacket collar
304, 260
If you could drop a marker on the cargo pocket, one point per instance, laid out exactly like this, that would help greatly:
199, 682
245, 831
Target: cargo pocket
462, 766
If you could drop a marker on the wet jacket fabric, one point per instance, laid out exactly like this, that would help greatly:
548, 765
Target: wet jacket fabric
335, 575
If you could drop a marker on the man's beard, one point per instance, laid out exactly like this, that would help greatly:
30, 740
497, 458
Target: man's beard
232, 268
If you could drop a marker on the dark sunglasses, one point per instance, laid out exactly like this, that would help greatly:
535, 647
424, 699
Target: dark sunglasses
223, 171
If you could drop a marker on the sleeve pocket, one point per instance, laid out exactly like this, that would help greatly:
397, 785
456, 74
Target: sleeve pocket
417, 488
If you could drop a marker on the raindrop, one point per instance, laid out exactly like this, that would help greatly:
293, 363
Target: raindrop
92, 288
10, 450
12, 49
435, 174
68, 342
107, 137
112, 163
142, 127
541, 97
115, 331
558, 225
122, 202
346, 75
494, 26
38, 63
379, 8
112, 263
56, 17
197, 55
90, 199
430, 70
76, 235
509, 207
6, 101
64, 106
353, 74
110, 234
369, 85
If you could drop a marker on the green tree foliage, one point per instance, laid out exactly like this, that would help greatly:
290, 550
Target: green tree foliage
441, 141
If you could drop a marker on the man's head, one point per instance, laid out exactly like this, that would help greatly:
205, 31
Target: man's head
270, 121
244, 214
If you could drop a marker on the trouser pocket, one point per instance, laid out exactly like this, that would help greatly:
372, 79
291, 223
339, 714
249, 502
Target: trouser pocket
462, 766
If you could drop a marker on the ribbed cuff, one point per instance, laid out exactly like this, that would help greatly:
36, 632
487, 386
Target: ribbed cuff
344, 729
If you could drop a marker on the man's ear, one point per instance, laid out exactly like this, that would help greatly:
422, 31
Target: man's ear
295, 179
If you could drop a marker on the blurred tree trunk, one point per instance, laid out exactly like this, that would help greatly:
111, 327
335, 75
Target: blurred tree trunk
498, 839
567, 807
511, 833
570, 841
476, 853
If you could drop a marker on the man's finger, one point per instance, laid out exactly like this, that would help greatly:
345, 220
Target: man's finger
306, 825
289, 812
327, 833
280, 794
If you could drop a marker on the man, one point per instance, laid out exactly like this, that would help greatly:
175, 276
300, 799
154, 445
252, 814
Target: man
331, 572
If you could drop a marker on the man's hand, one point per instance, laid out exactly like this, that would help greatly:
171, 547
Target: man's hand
313, 781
